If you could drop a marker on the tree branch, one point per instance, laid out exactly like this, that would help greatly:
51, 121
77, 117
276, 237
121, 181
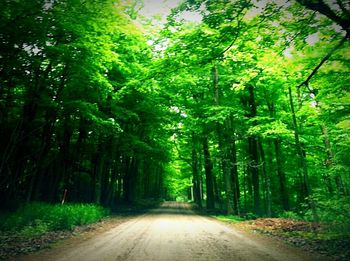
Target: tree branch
324, 9
329, 54
342, 7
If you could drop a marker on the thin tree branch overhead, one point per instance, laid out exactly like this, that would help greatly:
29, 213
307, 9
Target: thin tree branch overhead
329, 54
321, 7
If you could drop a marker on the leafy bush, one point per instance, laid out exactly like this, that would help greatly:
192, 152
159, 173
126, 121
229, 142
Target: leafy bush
290, 215
36, 218
334, 211
250, 216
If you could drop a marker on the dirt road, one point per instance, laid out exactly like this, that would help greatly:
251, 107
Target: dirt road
173, 232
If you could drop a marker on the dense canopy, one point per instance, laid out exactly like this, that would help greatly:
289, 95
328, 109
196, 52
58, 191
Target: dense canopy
245, 110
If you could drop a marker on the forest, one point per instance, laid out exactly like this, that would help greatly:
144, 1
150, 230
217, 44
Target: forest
245, 111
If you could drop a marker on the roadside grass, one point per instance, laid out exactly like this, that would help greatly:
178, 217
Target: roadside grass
38, 218
229, 218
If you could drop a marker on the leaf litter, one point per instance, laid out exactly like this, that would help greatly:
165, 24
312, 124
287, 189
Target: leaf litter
306, 235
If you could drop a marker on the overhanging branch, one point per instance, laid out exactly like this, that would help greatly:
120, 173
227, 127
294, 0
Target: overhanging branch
329, 54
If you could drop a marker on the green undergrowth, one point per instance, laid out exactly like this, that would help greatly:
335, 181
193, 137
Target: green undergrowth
333, 217
39, 218
229, 218
295, 226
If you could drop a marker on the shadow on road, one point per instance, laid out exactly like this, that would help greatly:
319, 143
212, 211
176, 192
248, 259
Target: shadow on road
174, 208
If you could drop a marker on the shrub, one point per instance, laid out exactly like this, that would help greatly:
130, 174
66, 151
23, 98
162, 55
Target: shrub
334, 211
250, 216
290, 215
41, 217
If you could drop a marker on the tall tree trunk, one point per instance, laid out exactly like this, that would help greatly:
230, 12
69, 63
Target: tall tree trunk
223, 155
301, 158
111, 186
233, 166
119, 192
64, 160
195, 171
245, 188
254, 170
130, 180
279, 161
267, 190
36, 180
253, 153
29, 113
51, 115
234, 176
98, 164
281, 175
328, 160
208, 166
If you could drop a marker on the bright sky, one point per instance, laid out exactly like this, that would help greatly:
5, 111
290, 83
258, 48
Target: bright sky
163, 8
155, 7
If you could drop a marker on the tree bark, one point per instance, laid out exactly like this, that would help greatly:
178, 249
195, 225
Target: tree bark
195, 172
234, 176
267, 190
281, 175
253, 154
208, 166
